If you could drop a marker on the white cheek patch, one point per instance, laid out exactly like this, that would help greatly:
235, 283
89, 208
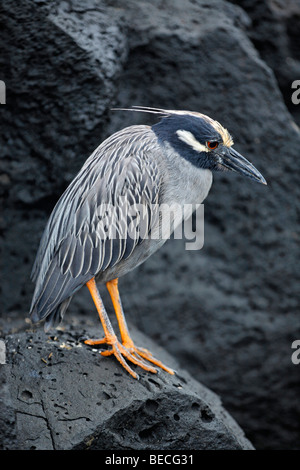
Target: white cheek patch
188, 138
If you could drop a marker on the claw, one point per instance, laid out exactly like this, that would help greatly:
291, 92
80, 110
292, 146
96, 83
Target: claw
94, 342
119, 350
126, 348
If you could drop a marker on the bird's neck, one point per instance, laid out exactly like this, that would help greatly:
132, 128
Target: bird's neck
184, 183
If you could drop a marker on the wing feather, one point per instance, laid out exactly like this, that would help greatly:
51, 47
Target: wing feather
88, 230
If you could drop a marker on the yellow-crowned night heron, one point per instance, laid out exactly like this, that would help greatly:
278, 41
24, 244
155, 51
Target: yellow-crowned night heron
93, 233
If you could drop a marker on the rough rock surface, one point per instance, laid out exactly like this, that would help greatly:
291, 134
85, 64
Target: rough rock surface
66, 396
229, 313
274, 30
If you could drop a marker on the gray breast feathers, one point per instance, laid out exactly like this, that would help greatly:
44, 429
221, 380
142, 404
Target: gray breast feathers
94, 224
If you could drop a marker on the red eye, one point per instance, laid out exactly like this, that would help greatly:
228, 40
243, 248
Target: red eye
212, 145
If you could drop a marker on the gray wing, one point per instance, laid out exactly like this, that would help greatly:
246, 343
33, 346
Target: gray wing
94, 224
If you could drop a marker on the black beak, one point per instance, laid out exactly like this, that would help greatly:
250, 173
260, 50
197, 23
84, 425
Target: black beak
234, 161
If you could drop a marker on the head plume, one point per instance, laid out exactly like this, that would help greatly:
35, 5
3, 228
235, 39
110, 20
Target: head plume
227, 139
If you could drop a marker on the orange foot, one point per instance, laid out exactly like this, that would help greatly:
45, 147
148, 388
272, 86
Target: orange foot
130, 352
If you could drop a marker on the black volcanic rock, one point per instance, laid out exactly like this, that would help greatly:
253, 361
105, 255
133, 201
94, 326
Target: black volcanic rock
66, 396
274, 30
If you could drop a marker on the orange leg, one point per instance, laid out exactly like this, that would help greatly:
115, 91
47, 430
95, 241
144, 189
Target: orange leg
112, 287
118, 349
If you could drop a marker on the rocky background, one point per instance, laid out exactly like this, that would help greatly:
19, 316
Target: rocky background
229, 313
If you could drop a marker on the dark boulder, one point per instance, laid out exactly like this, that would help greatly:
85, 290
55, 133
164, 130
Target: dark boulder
66, 396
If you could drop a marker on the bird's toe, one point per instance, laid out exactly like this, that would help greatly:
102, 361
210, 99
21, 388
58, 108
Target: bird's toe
145, 354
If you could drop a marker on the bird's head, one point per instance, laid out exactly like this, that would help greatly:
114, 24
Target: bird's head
200, 140
204, 142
